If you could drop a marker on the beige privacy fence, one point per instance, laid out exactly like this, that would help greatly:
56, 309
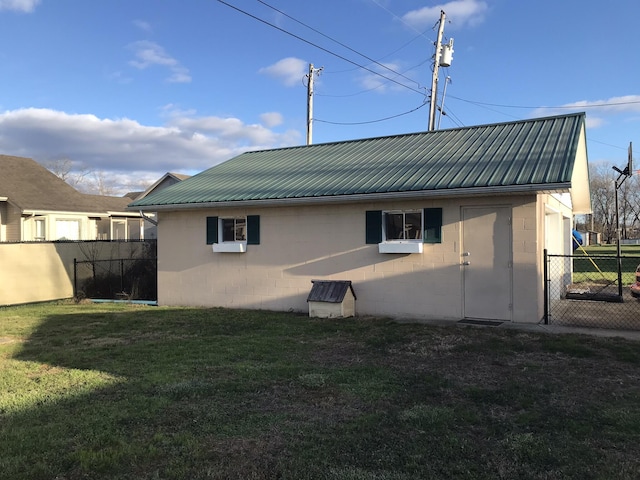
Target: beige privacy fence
43, 271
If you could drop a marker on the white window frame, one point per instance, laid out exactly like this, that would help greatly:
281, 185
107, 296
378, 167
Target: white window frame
40, 229
239, 242
404, 244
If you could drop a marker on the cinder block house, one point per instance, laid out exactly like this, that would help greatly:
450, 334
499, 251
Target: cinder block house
36, 205
447, 224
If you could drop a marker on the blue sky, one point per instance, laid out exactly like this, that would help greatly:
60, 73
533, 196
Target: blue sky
137, 88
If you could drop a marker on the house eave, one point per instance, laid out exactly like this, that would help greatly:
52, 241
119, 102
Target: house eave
84, 213
122, 213
368, 197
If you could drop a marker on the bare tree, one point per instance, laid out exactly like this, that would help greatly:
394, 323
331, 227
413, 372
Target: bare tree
64, 168
83, 178
602, 187
632, 207
603, 200
100, 184
89, 180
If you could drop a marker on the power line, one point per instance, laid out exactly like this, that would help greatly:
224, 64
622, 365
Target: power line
368, 89
593, 105
319, 47
402, 20
454, 118
474, 102
339, 43
607, 144
371, 121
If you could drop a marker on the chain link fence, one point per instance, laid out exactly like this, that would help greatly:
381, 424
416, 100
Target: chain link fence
591, 291
116, 279
104, 273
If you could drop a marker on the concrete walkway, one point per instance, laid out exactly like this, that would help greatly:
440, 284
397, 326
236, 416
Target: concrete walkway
532, 327
559, 329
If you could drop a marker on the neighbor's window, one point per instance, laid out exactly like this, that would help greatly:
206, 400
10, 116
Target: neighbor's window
403, 225
40, 231
234, 229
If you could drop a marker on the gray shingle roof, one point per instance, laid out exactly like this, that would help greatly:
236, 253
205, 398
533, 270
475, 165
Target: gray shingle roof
31, 186
537, 153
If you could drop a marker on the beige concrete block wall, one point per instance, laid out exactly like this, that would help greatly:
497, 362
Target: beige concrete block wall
43, 271
33, 273
300, 244
527, 263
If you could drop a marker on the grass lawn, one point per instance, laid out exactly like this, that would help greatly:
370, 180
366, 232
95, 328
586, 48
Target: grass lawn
134, 392
610, 250
601, 265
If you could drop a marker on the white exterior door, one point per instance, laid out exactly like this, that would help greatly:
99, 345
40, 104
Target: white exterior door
487, 264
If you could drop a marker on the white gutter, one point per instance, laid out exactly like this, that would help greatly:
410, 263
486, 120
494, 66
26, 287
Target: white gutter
122, 213
369, 197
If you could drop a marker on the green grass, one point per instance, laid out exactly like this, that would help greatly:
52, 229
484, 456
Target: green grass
594, 268
610, 250
133, 392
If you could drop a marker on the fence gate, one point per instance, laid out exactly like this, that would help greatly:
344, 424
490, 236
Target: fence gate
587, 291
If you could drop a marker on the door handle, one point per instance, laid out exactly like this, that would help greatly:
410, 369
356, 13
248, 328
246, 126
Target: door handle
466, 263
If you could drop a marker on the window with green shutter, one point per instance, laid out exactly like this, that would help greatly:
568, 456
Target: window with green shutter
233, 234
253, 229
403, 231
373, 226
432, 225
212, 230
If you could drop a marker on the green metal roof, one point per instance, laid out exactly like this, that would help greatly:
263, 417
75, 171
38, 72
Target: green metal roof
536, 153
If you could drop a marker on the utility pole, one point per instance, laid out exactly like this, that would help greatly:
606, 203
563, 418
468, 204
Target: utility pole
310, 75
623, 175
436, 71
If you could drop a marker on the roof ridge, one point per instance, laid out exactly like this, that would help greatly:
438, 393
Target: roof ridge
409, 134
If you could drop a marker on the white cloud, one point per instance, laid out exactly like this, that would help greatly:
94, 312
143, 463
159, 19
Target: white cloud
125, 148
119, 77
271, 119
171, 110
26, 6
459, 12
290, 70
150, 54
142, 25
370, 81
595, 109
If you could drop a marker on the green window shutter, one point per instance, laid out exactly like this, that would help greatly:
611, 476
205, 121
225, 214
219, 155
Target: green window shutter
373, 226
432, 225
212, 230
253, 229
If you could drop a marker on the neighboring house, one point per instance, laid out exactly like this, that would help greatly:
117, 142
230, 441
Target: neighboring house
446, 224
168, 179
37, 205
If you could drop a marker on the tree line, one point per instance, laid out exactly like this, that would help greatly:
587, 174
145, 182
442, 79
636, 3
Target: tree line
602, 178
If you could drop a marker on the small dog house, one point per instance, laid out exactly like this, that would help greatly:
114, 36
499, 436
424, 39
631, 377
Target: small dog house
332, 299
